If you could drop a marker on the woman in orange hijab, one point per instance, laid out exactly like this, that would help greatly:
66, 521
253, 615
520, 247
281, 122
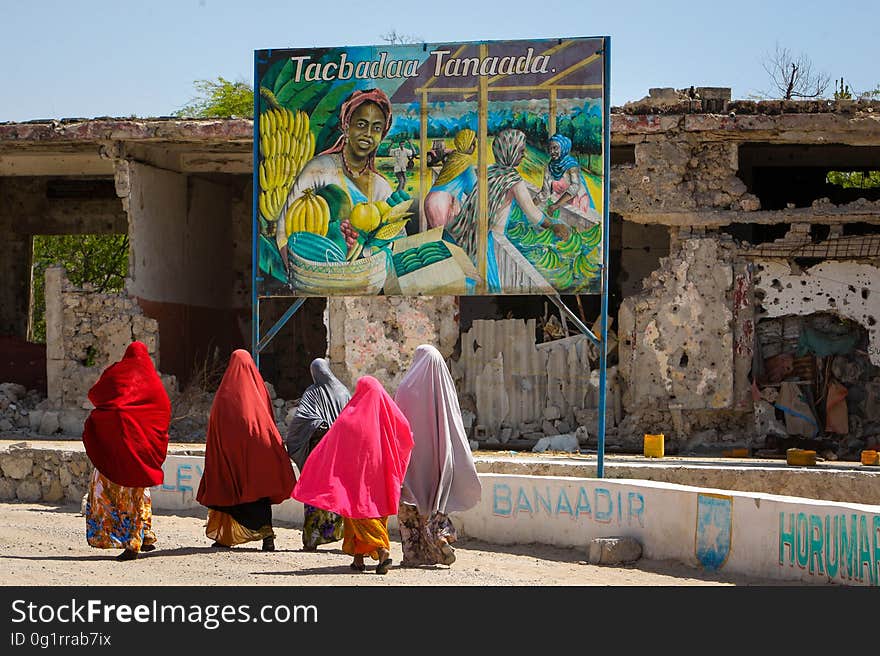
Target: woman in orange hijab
126, 438
247, 468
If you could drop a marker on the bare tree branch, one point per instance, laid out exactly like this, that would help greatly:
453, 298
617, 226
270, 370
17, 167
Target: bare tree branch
395, 38
793, 77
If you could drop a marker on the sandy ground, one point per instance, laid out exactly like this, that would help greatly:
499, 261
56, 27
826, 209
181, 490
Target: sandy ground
44, 545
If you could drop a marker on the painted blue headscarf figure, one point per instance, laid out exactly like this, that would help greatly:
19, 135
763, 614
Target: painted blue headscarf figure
565, 160
564, 182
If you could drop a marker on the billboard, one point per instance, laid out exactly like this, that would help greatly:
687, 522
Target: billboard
454, 168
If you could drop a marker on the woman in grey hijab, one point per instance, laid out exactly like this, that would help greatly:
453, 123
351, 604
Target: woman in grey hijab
318, 408
441, 477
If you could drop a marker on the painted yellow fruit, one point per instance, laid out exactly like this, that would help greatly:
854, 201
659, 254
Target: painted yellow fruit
365, 217
383, 207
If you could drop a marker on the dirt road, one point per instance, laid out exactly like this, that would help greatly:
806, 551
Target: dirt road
44, 545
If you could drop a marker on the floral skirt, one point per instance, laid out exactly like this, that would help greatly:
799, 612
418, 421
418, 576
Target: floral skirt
118, 517
320, 527
425, 540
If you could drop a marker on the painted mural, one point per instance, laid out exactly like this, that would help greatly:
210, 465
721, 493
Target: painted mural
463, 168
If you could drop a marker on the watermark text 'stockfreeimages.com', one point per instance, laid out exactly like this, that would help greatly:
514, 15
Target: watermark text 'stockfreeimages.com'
208, 616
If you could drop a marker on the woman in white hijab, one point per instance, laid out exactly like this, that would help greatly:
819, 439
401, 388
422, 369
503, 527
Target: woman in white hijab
441, 477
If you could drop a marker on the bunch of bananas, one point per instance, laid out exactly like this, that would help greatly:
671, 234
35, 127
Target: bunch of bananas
308, 213
550, 260
286, 144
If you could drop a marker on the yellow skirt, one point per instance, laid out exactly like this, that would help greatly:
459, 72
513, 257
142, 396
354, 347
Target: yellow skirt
222, 528
364, 537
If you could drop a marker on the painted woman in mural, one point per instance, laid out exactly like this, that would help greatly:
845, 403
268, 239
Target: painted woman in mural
506, 189
350, 163
456, 180
564, 182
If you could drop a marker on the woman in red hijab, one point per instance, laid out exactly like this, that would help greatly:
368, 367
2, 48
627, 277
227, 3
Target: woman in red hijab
126, 438
247, 468
356, 471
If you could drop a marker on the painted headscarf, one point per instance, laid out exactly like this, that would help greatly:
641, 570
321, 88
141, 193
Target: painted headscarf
355, 100
509, 147
441, 475
245, 459
320, 403
126, 435
565, 160
459, 159
358, 467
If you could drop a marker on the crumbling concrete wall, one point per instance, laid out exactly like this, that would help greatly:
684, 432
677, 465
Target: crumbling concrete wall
377, 336
676, 338
847, 289
680, 174
85, 332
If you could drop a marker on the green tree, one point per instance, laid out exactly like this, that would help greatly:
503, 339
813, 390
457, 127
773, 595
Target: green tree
855, 179
219, 98
101, 260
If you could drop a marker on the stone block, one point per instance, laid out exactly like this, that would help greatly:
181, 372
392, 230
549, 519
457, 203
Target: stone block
12, 391
71, 421
504, 435
54, 491
16, 467
49, 424
614, 551
7, 490
551, 412
34, 419
64, 475
28, 490
548, 428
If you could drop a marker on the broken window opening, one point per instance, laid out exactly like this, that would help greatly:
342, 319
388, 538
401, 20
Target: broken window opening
81, 188
814, 375
624, 156
756, 233
783, 175
98, 260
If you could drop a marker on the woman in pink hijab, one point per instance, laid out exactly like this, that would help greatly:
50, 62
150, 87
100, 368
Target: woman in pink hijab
441, 477
357, 470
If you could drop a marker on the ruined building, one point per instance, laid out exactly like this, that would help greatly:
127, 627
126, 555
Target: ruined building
745, 246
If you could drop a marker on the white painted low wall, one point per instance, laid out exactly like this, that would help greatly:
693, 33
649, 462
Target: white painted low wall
762, 535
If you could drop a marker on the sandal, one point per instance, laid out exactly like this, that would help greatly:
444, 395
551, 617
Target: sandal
148, 547
269, 544
358, 565
382, 568
128, 554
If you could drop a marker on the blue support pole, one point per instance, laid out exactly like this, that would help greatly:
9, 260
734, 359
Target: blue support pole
606, 191
297, 304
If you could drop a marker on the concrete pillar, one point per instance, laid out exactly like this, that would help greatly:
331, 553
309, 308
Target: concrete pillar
55, 277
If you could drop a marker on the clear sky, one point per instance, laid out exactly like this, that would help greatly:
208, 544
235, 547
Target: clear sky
120, 58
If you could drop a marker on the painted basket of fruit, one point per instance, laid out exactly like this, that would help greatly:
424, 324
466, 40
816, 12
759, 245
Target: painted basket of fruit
358, 277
